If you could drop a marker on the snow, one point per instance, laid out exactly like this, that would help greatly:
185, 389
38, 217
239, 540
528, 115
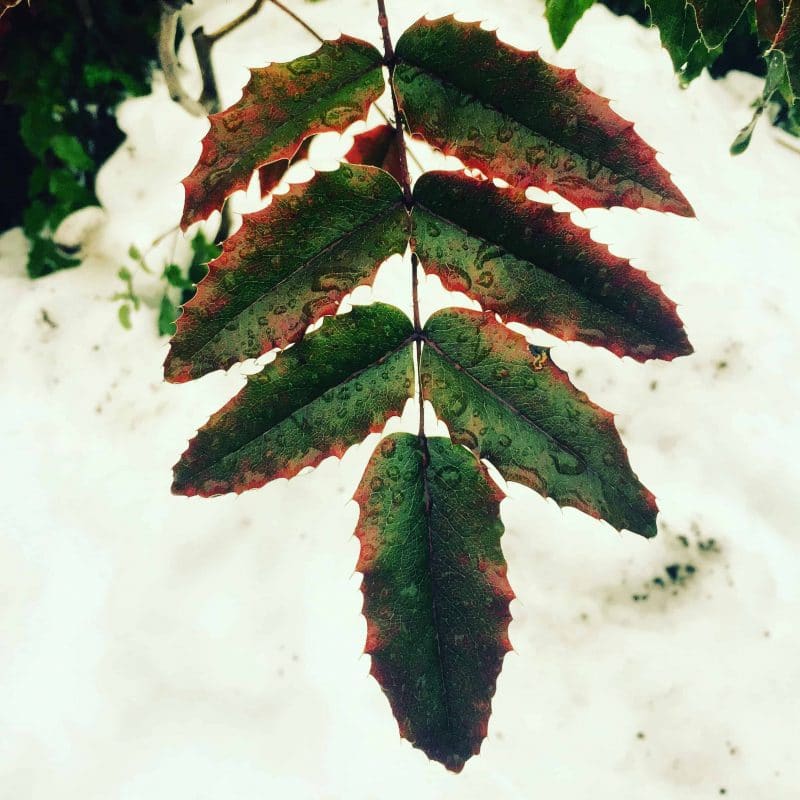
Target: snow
162, 647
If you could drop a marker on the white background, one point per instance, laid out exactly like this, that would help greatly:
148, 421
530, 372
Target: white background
159, 647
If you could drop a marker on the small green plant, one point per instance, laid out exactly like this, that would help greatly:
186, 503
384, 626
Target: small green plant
179, 284
436, 596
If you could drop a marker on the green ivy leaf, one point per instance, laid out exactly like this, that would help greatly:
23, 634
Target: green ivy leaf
287, 266
562, 15
513, 116
510, 404
436, 596
316, 399
282, 105
532, 265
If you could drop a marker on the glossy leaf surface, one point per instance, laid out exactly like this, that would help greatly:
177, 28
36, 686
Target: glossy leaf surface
436, 596
533, 265
513, 116
316, 399
509, 403
378, 147
282, 105
287, 266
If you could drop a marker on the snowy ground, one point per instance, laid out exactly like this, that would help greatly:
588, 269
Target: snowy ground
159, 647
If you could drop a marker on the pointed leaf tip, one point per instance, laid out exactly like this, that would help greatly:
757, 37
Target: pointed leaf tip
436, 596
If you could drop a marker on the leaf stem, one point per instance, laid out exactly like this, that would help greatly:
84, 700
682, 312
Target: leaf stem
408, 198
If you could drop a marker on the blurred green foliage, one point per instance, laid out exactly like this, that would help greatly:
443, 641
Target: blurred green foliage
64, 67
743, 47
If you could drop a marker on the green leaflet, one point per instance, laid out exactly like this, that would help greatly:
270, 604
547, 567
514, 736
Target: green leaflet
511, 115
532, 265
717, 18
510, 404
315, 400
436, 595
676, 21
562, 16
288, 266
282, 105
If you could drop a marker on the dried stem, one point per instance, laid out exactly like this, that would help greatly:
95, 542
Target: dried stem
169, 62
408, 198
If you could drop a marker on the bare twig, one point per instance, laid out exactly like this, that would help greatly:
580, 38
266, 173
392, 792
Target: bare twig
169, 63
297, 19
235, 23
209, 96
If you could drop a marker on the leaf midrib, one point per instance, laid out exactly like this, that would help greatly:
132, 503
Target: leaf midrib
428, 512
624, 173
513, 409
655, 336
301, 266
305, 107
351, 377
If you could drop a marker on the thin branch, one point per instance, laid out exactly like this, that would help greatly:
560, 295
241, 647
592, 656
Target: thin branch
298, 20
235, 23
169, 64
408, 198
209, 96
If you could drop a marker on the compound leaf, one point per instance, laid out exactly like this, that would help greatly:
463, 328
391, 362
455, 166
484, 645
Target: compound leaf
287, 266
562, 15
379, 147
315, 400
436, 596
532, 265
282, 105
508, 403
513, 116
